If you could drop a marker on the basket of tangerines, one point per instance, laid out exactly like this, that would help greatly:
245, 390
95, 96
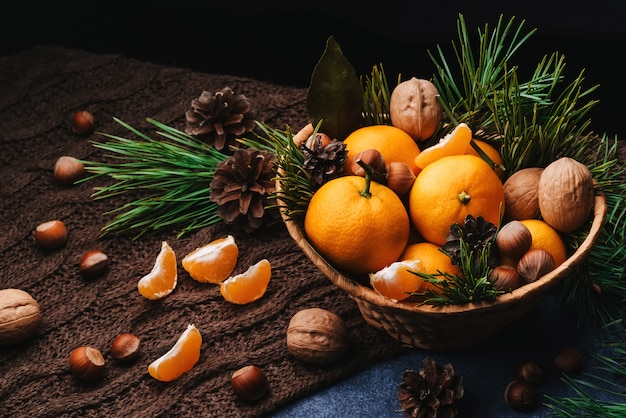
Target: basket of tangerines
444, 220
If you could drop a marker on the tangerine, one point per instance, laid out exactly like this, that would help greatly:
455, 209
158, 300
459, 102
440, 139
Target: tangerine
180, 358
451, 188
433, 259
393, 143
248, 286
396, 281
161, 280
492, 153
358, 225
213, 262
546, 237
454, 143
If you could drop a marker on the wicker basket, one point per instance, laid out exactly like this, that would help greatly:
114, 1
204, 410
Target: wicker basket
449, 327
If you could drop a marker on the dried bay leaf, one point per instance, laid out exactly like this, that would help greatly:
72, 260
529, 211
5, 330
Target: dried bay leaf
335, 94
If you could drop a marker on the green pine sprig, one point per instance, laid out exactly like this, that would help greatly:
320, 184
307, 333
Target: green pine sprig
168, 180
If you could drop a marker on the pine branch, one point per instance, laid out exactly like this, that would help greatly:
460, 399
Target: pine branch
170, 177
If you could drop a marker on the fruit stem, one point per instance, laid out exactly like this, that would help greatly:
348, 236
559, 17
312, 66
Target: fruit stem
370, 173
464, 197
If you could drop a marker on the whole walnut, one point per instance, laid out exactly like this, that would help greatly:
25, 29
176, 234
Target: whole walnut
414, 108
565, 194
317, 336
521, 194
19, 316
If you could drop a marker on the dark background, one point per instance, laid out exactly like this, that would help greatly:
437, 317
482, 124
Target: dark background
281, 43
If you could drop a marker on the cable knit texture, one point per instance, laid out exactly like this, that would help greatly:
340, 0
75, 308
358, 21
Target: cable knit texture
39, 90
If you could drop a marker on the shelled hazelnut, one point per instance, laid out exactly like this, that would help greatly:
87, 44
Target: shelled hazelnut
249, 383
87, 363
51, 235
93, 264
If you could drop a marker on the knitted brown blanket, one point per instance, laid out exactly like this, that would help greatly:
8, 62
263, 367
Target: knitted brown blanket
39, 89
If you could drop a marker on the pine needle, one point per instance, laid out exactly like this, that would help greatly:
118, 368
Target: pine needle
171, 176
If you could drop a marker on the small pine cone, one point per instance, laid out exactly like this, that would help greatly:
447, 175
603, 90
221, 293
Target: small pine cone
241, 187
434, 391
220, 118
324, 158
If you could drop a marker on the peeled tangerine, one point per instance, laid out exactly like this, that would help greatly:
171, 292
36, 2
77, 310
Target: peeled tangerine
396, 281
161, 281
248, 286
213, 262
180, 358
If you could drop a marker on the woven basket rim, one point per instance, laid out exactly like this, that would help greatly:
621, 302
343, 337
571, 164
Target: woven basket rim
517, 296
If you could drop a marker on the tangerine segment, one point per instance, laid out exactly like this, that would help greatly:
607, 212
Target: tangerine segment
454, 143
396, 281
180, 358
393, 143
451, 188
434, 261
161, 281
213, 262
546, 237
248, 286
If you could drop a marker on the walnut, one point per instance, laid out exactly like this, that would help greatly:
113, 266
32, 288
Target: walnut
317, 336
19, 316
414, 108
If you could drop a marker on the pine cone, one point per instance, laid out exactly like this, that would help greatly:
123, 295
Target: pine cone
241, 186
324, 158
432, 392
476, 232
220, 118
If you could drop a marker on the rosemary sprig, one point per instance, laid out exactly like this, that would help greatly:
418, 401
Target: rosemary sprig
172, 179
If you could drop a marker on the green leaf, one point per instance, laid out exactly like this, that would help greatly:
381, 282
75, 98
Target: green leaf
335, 95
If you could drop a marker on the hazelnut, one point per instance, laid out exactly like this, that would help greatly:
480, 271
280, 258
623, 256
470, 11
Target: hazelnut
51, 235
93, 264
513, 239
67, 170
82, 122
520, 395
569, 360
371, 157
249, 383
87, 363
535, 263
505, 278
125, 347
400, 177
317, 336
318, 141
530, 372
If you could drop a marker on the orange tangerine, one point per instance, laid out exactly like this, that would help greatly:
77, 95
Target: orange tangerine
248, 286
546, 237
491, 152
358, 227
396, 281
393, 143
451, 188
454, 143
434, 261
213, 262
180, 358
161, 281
